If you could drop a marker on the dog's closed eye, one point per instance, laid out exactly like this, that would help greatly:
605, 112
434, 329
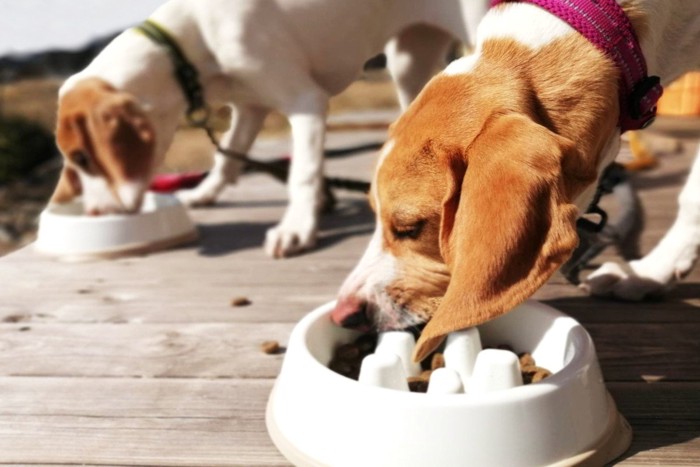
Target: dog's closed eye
81, 159
407, 231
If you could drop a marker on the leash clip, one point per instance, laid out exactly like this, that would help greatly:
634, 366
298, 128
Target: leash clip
198, 117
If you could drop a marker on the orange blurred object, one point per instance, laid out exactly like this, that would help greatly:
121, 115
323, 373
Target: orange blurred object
682, 97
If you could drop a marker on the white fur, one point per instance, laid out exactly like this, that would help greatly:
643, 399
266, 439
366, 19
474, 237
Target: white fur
377, 267
462, 65
97, 195
289, 55
386, 149
130, 194
525, 23
671, 260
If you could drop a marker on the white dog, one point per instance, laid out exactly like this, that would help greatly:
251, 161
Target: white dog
479, 187
117, 118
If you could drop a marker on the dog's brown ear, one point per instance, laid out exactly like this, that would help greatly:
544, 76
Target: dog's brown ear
68, 186
507, 224
119, 123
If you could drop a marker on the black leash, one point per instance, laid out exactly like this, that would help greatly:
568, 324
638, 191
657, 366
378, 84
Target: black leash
592, 241
198, 114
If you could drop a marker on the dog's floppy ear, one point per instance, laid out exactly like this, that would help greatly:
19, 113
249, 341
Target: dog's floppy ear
507, 224
124, 127
108, 128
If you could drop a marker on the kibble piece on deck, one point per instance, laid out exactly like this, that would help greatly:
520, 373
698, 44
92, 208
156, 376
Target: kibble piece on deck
270, 347
240, 301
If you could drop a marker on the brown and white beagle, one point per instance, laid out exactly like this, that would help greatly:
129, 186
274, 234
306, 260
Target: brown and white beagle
479, 186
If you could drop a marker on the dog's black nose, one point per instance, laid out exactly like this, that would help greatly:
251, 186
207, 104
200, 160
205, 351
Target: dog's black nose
351, 312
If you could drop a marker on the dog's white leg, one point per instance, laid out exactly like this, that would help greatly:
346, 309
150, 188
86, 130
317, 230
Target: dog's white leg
298, 227
245, 126
413, 57
672, 259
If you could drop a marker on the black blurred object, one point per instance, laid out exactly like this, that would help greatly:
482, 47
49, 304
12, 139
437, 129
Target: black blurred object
377, 62
23, 146
623, 234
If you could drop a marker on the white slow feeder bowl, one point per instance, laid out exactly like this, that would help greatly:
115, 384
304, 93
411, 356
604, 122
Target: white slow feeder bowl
65, 231
317, 417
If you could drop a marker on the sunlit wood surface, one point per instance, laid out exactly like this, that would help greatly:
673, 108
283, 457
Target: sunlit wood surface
143, 360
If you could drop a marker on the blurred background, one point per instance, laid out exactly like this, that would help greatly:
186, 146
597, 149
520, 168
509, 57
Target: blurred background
41, 43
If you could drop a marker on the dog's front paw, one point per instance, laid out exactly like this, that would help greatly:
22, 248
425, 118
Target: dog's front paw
286, 240
196, 197
611, 280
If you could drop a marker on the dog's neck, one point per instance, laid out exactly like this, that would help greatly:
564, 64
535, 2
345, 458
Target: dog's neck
573, 87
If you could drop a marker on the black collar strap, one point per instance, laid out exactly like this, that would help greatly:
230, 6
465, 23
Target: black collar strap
185, 73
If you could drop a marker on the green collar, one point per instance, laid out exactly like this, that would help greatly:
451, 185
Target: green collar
185, 73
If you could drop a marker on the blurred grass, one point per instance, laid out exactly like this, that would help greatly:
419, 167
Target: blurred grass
23, 146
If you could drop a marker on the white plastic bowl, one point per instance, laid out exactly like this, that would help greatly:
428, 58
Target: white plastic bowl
317, 417
65, 231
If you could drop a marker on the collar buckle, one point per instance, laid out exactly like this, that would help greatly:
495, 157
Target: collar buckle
643, 99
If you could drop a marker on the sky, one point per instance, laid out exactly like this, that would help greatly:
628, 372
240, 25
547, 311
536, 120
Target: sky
36, 25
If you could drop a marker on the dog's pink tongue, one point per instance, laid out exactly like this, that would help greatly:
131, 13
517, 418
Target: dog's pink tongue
350, 313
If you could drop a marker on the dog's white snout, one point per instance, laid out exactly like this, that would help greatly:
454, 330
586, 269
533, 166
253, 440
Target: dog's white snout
131, 196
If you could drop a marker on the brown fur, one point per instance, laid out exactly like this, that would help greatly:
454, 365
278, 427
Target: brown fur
109, 128
488, 164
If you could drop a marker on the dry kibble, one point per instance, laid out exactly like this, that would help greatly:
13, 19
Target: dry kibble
540, 374
366, 343
438, 361
342, 367
505, 347
417, 384
240, 301
348, 352
347, 360
270, 347
533, 374
526, 360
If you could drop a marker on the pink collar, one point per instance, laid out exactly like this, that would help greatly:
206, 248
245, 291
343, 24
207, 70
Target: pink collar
605, 25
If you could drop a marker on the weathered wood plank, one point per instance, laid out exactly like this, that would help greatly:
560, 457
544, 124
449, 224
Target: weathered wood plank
640, 351
147, 350
135, 422
134, 397
127, 441
220, 422
665, 419
627, 352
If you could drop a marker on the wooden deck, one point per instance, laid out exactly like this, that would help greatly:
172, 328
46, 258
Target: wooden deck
143, 360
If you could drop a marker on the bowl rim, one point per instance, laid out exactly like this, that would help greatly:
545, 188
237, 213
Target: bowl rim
574, 368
